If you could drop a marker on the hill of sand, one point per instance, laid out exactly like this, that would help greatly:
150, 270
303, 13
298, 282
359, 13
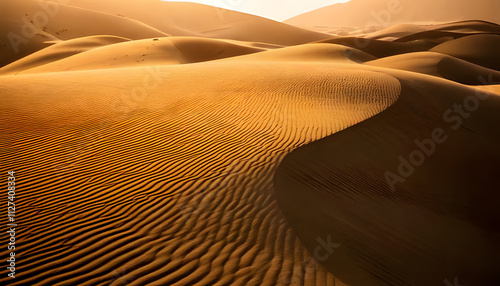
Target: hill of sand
396, 32
203, 21
155, 148
315, 52
439, 65
157, 51
368, 13
60, 50
207, 138
379, 48
478, 49
30, 25
439, 223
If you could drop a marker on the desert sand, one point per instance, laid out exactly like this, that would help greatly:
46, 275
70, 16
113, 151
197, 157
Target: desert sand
161, 143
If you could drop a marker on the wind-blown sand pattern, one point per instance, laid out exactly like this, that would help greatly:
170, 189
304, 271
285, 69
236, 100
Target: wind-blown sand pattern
204, 212
217, 149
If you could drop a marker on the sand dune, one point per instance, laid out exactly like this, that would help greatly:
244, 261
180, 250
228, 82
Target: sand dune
204, 217
439, 65
157, 51
396, 31
22, 33
153, 148
363, 13
60, 50
440, 223
316, 52
379, 48
478, 49
203, 21
470, 26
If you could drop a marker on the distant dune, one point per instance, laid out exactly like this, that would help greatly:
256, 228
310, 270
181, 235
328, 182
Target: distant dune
366, 13
157, 51
60, 50
439, 65
165, 143
22, 34
203, 21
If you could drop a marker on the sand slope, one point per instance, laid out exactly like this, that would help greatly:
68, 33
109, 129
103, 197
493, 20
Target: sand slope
314, 52
439, 65
478, 49
363, 13
29, 25
203, 21
149, 159
440, 223
379, 48
156, 51
60, 50
206, 140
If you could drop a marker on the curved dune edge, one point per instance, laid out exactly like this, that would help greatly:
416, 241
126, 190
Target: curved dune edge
439, 65
440, 223
481, 49
380, 48
60, 50
314, 52
147, 52
179, 190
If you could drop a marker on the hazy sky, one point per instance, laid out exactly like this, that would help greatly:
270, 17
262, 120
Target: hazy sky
273, 9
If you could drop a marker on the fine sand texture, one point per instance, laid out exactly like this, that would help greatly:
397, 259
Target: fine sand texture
168, 143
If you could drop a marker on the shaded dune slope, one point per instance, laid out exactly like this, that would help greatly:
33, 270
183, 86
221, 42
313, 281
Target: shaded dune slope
178, 190
58, 23
439, 223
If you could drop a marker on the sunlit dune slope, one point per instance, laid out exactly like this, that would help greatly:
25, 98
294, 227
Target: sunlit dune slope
366, 13
203, 21
60, 50
440, 222
156, 51
163, 175
219, 148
